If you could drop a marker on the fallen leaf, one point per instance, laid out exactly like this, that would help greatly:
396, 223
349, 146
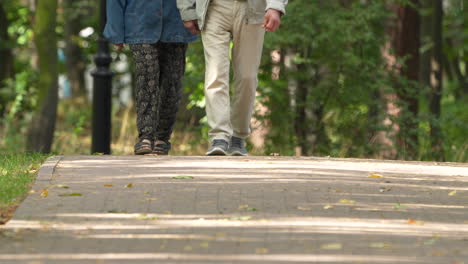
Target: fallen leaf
334, 246
326, 207
240, 218
303, 208
62, 186
70, 194
247, 208
430, 242
32, 191
261, 250
375, 176
188, 248
115, 211
130, 185
146, 217
182, 177
338, 191
380, 245
414, 222
204, 245
383, 189
452, 193
108, 185
151, 199
44, 193
346, 201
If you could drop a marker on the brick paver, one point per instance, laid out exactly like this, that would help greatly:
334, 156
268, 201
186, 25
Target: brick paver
128, 209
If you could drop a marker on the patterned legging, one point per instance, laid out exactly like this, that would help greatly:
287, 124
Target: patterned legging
159, 69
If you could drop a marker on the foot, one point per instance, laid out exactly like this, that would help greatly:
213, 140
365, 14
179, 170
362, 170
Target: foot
237, 147
161, 147
143, 147
219, 147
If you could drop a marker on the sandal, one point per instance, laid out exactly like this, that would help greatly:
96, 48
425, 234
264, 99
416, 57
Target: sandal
162, 147
143, 147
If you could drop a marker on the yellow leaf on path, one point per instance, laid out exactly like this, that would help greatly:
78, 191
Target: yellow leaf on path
130, 185
151, 199
334, 246
62, 186
32, 191
326, 207
108, 185
452, 193
380, 245
44, 193
375, 176
261, 250
205, 245
346, 201
414, 222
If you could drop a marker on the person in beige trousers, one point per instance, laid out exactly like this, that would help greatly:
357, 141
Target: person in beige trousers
243, 22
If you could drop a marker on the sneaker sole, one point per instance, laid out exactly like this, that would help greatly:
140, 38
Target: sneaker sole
237, 153
217, 152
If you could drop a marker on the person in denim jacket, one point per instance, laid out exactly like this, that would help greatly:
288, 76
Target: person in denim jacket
158, 41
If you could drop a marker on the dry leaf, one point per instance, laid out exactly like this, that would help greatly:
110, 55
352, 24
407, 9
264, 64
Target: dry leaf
380, 245
326, 207
261, 250
205, 245
130, 185
62, 186
151, 199
334, 246
414, 222
182, 177
32, 191
452, 193
44, 193
346, 201
70, 194
108, 185
303, 208
375, 176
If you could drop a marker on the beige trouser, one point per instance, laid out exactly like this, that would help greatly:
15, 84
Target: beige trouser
226, 22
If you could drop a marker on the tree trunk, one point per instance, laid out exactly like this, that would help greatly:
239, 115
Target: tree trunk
407, 44
41, 131
6, 57
436, 82
74, 61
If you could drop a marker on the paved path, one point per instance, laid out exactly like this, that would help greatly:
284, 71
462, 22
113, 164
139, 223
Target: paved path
127, 209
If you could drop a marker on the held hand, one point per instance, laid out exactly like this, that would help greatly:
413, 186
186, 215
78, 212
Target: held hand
119, 47
192, 26
272, 20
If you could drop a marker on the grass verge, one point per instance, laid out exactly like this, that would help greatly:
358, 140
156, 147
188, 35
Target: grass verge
17, 173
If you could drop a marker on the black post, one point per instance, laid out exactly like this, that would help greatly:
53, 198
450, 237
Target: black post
102, 92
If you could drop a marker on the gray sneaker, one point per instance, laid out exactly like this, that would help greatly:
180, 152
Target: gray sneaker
237, 147
219, 147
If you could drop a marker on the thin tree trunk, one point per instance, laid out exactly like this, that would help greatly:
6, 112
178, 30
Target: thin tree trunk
73, 55
41, 131
407, 44
436, 83
6, 57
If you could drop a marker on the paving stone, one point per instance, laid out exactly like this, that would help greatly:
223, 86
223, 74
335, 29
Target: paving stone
149, 209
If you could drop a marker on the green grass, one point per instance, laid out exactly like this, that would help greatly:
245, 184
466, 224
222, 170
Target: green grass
17, 173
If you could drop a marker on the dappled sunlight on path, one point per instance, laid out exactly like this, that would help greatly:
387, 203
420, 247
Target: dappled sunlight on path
109, 209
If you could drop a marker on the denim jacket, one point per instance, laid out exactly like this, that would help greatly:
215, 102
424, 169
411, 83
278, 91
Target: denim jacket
145, 21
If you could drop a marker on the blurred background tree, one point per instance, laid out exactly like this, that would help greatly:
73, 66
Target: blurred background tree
342, 78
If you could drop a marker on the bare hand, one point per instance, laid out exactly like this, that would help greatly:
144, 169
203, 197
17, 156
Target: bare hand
272, 20
192, 26
119, 46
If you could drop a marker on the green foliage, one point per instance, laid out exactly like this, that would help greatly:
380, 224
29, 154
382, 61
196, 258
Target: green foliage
332, 52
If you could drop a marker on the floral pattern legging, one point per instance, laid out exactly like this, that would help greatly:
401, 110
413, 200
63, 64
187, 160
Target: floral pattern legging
159, 69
